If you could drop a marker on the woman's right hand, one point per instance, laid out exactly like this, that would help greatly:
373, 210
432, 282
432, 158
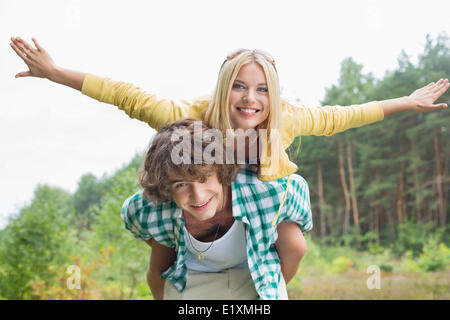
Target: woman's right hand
39, 62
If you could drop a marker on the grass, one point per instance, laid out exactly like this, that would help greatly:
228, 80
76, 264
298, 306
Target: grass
352, 284
333, 273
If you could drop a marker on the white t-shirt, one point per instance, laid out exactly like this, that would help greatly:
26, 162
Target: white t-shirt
230, 251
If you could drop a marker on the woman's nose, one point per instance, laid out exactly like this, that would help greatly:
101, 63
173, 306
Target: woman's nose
249, 97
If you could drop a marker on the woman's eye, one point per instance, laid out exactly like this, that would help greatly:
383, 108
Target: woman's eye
238, 86
263, 89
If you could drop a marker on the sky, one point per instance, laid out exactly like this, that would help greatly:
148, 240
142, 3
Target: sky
51, 134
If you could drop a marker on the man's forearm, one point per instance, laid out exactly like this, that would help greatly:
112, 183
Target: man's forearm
156, 284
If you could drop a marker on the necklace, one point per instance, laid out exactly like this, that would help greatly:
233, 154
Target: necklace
200, 253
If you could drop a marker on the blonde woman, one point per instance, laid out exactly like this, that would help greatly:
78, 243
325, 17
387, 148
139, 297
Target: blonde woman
247, 96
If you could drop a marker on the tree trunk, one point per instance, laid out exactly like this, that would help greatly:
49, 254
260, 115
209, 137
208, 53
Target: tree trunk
377, 223
439, 186
321, 200
401, 216
344, 188
418, 196
403, 192
371, 218
401, 203
379, 214
391, 226
445, 180
352, 190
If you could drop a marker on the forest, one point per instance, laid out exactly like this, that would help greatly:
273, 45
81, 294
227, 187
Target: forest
379, 194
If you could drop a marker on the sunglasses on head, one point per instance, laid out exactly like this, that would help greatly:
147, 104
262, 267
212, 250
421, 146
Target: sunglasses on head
266, 55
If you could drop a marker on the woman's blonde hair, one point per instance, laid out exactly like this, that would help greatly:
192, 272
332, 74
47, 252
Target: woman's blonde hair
217, 114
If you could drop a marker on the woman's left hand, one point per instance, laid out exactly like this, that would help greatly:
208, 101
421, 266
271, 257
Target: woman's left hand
422, 99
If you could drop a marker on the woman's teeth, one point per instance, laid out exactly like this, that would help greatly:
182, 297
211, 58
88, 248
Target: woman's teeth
248, 110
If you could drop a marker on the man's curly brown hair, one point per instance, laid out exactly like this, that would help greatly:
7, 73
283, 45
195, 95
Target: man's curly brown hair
158, 165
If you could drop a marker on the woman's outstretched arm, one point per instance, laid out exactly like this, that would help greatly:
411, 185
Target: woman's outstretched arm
328, 120
134, 101
420, 100
41, 65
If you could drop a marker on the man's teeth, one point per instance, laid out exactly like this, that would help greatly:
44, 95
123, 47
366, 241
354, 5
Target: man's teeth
200, 205
248, 110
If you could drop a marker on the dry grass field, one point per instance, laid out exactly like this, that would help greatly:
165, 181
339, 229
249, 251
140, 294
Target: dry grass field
352, 285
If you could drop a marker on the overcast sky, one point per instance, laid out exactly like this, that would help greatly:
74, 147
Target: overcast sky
52, 134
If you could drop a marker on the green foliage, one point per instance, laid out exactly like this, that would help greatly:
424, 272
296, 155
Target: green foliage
129, 260
435, 256
340, 264
314, 256
394, 161
34, 243
46, 237
410, 237
88, 194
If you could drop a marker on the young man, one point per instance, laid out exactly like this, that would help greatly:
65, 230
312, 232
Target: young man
213, 227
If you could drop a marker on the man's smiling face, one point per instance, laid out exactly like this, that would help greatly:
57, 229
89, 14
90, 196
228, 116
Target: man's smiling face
200, 199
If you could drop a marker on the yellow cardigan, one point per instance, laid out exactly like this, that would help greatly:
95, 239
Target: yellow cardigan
296, 121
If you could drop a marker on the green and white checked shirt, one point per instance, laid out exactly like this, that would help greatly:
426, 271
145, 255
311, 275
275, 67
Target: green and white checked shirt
254, 202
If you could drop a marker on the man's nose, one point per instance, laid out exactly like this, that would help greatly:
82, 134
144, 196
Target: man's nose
197, 193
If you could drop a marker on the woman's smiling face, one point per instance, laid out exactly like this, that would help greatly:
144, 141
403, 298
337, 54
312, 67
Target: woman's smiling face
249, 98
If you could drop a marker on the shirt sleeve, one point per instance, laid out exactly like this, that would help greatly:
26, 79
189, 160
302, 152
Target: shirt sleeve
141, 105
298, 204
131, 213
328, 120
146, 220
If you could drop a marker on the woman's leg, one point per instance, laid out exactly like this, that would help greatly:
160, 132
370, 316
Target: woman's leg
291, 247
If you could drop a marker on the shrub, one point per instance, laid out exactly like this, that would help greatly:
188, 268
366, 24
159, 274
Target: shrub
435, 256
340, 264
410, 237
33, 243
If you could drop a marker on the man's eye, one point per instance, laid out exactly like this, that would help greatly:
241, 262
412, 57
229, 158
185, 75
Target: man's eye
179, 185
